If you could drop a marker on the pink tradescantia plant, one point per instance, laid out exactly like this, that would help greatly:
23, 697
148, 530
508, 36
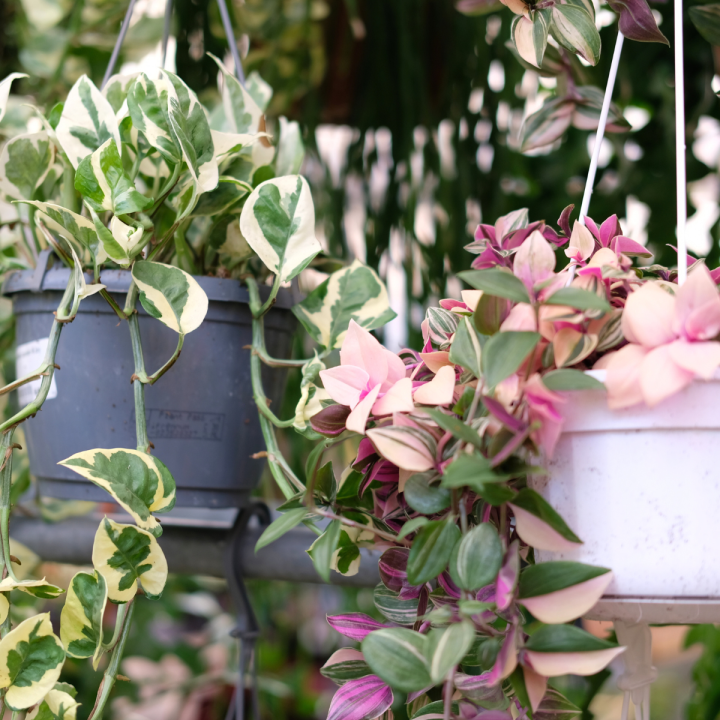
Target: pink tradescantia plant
443, 441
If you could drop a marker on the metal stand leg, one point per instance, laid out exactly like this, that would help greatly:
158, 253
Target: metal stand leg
247, 630
639, 673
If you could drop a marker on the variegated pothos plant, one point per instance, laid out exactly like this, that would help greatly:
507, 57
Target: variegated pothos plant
139, 176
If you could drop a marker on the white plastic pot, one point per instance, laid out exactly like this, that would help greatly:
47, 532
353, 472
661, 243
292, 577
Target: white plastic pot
641, 488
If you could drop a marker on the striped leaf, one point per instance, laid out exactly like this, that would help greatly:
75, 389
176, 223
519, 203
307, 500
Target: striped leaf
530, 35
441, 325
31, 658
431, 550
105, 185
353, 293
345, 664
547, 124
25, 162
389, 604
5, 85
139, 482
81, 620
278, 222
171, 295
574, 28
77, 230
361, 699
477, 558
124, 555
399, 657
446, 648
58, 704
87, 122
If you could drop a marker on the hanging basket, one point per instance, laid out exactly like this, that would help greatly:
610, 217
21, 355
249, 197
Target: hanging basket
638, 484
203, 421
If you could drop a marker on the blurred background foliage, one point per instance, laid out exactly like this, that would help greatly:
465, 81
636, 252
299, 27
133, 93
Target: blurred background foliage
411, 113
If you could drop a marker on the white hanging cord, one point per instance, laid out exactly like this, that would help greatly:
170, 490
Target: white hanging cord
639, 673
607, 99
602, 122
680, 144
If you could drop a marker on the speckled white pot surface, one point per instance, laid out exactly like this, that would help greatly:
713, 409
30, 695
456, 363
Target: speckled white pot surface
641, 488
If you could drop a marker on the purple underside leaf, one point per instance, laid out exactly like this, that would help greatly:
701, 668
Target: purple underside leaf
497, 410
330, 420
637, 21
393, 568
361, 699
354, 625
564, 220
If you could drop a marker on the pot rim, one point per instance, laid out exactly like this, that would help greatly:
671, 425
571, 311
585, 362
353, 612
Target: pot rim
118, 281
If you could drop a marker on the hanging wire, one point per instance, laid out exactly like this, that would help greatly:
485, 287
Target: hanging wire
680, 144
118, 44
239, 74
166, 32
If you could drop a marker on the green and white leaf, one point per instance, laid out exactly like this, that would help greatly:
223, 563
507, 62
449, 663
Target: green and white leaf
25, 162
118, 241
548, 124
171, 295
286, 522
531, 35
75, 229
290, 149
139, 482
124, 555
466, 348
389, 604
574, 29
87, 122
105, 185
446, 648
226, 238
117, 88
5, 91
311, 396
278, 222
31, 658
81, 620
37, 588
353, 293
477, 558
191, 128
56, 705
399, 657
259, 90
242, 113
82, 289
226, 143
345, 664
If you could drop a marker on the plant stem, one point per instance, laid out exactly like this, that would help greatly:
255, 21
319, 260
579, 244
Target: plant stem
370, 528
111, 302
152, 379
110, 676
271, 298
143, 442
119, 624
447, 705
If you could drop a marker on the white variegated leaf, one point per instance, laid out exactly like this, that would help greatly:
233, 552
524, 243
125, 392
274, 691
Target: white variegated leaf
25, 162
574, 29
31, 658
278, 222
77, 230
259, 90
56, 705
87, 122
226, 143
311, 395
171, 295
105, 185
81, 620
242, 113
139, 482
290, 150
37, 588
117, 88
82, 289
5, 91
226, 238
353, 293
547, 124
124, 554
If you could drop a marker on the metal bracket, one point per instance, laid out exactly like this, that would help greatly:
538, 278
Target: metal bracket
247, 630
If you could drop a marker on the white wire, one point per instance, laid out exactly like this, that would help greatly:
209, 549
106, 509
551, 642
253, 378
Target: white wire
680, 144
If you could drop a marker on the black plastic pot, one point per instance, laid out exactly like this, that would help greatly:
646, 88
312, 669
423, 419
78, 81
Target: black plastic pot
201, 416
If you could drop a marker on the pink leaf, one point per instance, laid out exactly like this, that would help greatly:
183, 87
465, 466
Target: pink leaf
536, 685
649, 315
623, 376
407, 447
345, 384
661, 377
534, 261
506, 661
701, 358
436, 360
354, 625
697, 310
398, 398
566, 663
637, 21
538, 534
507, 578
361, 349
440, 390
361, 699
358, 418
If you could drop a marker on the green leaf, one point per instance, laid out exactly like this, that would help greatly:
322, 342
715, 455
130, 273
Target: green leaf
105, 185
477, 558
706, 18
353, 293
124, 554
322, 550
579, 299
504, 353
448, 647
242, 112
565, 638
402, 612
278, 222
412, 525
279, 527
25, 162
345, 664
58, 704
490, 313
548, 577
291, 150
555, 706
470, 470
139, 482
423, 497
397, 655
558, 380
498, 282
574, 29
431, 551
81, 620
466, 348
534, 503
31, 658
454, 425
517, 681
87, 123
171, 295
